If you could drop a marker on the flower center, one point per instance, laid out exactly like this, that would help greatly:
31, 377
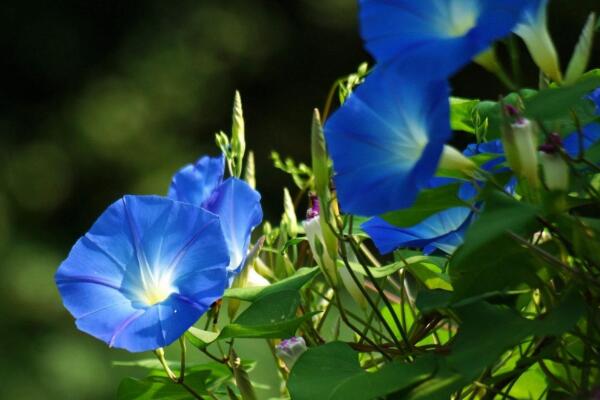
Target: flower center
462, 17
157, 290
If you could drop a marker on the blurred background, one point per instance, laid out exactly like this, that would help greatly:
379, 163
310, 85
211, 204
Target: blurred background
103, 98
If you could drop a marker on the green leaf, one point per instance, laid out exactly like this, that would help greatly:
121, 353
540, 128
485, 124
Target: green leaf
142, 389
157, 386
271, 316
292, 242
332, 372
295, 282
490, 260
480, 343
584, 234
429, 202
277, 330
486, 333
442, 385
201, 338
461, 114
554, 106
321, 369
390, 378
271, 308
581, 55
429, 274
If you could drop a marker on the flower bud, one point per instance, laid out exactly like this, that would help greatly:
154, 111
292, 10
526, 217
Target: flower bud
554, 167
238, 140
316, 241
350, 284
289, 350
520, 145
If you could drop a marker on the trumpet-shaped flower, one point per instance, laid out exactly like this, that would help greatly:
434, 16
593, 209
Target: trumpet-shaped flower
533, 29
443, 231
435, 37
386, 141
145, 272
233, 200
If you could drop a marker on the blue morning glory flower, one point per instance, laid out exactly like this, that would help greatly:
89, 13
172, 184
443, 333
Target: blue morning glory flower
233, 200
145, 272
435, 37
442, 231
386, 141
595, 97
591, 136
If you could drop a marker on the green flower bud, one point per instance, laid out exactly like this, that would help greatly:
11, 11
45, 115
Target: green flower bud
520, 146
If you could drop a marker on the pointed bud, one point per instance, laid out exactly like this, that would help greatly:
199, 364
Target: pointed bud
250, 174
238, 139
520, 146
289, 350
314, 235
289, 214
320, 161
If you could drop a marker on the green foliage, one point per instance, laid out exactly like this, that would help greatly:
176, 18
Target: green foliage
474, 270
300, 173
554, 107
429, 202
332, 372
293, 283
202, 378
512, 313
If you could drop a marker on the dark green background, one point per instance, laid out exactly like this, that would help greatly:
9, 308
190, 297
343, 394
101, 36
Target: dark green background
103, 98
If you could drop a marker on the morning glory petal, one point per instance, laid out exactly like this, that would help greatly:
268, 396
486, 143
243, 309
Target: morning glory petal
123, 281
443, 231
194, 183
386, 141
435, 37
591, 136
595, 97
238, 206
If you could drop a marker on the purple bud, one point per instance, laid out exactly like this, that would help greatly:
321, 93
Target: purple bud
512, 111
552, 145
289, 350
315, 207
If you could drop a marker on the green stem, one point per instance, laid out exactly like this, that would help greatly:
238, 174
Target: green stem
344, 317
381, 293
182, 363
160, 354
